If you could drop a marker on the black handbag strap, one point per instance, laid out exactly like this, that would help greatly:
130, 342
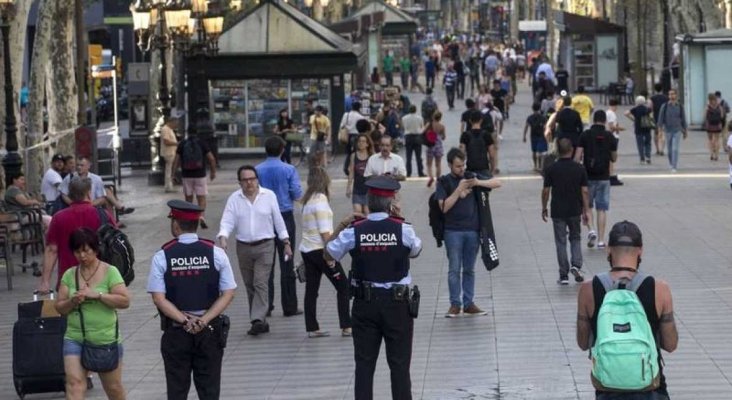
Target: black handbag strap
81, 314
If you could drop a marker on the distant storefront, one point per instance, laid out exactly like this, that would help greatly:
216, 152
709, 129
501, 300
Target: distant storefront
274, 57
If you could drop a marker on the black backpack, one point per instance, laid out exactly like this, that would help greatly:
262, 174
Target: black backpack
115, 248
192, 155
435, 215
597, 162
476, 150
486, 123
714, 116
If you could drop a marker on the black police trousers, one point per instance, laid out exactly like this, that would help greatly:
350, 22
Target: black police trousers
184, 353
373, 321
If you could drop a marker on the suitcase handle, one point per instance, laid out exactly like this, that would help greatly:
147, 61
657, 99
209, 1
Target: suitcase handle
50, 293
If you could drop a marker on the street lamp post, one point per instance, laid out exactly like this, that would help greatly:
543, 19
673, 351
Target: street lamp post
162, 24
12, 162
155, 22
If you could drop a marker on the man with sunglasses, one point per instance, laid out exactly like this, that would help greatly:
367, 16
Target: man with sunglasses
253, 214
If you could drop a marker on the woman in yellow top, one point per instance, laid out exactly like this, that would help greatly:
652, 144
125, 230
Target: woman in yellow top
101, 290
319, 136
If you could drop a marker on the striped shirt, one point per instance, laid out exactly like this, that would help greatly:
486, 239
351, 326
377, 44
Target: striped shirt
450, 78
317, 218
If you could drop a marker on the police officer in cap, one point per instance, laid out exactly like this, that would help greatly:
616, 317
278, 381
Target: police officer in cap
191, 283
380, 246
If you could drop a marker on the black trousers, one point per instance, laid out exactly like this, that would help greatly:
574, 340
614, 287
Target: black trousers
373, 321
450, 91
413, 145
184, 353
430, 81
287, 271
461, 87
315, 268
350, 148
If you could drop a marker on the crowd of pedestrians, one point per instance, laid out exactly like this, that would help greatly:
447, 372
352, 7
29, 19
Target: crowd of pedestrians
573, 145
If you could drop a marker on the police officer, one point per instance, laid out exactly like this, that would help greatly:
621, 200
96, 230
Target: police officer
191, 283
380, 246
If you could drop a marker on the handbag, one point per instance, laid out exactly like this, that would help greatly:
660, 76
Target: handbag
294, 137
98, 357
343, 132
300, 272
647, 122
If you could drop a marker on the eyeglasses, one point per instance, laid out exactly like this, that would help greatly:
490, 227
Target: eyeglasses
244, 180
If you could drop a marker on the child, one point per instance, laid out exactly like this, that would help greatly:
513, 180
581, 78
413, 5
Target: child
536, 122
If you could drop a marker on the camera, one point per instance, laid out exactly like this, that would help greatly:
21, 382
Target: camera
469, 175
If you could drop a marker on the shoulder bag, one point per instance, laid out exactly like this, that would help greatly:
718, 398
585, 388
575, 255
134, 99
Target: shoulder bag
343, 132
98, 357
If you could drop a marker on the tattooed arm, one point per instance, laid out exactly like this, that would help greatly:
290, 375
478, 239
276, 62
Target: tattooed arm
665, 309
585, 308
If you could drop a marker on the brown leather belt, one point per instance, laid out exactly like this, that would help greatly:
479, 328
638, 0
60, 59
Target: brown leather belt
256, 243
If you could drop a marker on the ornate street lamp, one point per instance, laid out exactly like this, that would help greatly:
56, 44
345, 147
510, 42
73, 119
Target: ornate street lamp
157, 23
12, 162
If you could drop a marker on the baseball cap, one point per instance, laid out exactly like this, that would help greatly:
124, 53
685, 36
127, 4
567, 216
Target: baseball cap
57, 157
625, 233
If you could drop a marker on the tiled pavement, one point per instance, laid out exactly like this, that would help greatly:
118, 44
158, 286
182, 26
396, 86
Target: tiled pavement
524, 349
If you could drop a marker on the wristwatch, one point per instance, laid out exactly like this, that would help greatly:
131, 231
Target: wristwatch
100, 296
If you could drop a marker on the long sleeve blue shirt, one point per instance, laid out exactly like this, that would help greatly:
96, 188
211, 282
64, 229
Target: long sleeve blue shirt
282, 179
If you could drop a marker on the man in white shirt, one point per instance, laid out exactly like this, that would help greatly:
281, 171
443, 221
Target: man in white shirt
385, 162
413, 126
52, 181
615, 129
254, 215
349, 121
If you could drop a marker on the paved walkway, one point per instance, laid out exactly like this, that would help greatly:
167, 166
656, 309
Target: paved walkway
524, 349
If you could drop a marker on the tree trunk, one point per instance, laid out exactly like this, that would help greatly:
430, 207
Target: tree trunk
317, 10
462, 15
62, 104
514, 19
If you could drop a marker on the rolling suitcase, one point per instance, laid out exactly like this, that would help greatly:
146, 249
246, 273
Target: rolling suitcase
38, 335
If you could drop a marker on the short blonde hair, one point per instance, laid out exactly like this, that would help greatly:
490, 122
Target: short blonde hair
640, 100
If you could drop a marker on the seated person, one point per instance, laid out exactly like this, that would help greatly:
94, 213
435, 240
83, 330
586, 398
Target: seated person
101, 196
16, 198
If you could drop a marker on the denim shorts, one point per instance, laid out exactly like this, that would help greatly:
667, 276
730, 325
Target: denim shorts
361, 199
599, 194
73, 348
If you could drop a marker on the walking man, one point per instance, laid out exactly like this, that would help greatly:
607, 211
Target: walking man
191, 283
566, 181
625, 247
253, 213
413, 127
192, 156
380, 246
597, 148
657, 101
450, 83
672, 124
282, 179
454, 192
478, 145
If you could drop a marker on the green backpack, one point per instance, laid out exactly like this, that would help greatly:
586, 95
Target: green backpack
624, 356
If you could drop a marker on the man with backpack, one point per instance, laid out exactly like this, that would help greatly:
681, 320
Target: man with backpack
478, 146
630, 316
429, 107
596, 149
460, 225
192, 155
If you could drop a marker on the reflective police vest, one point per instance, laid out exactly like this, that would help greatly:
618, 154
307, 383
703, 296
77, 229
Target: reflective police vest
191, 279
379, 254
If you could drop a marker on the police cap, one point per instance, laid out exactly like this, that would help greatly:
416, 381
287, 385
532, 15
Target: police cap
382, 186
184, 210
